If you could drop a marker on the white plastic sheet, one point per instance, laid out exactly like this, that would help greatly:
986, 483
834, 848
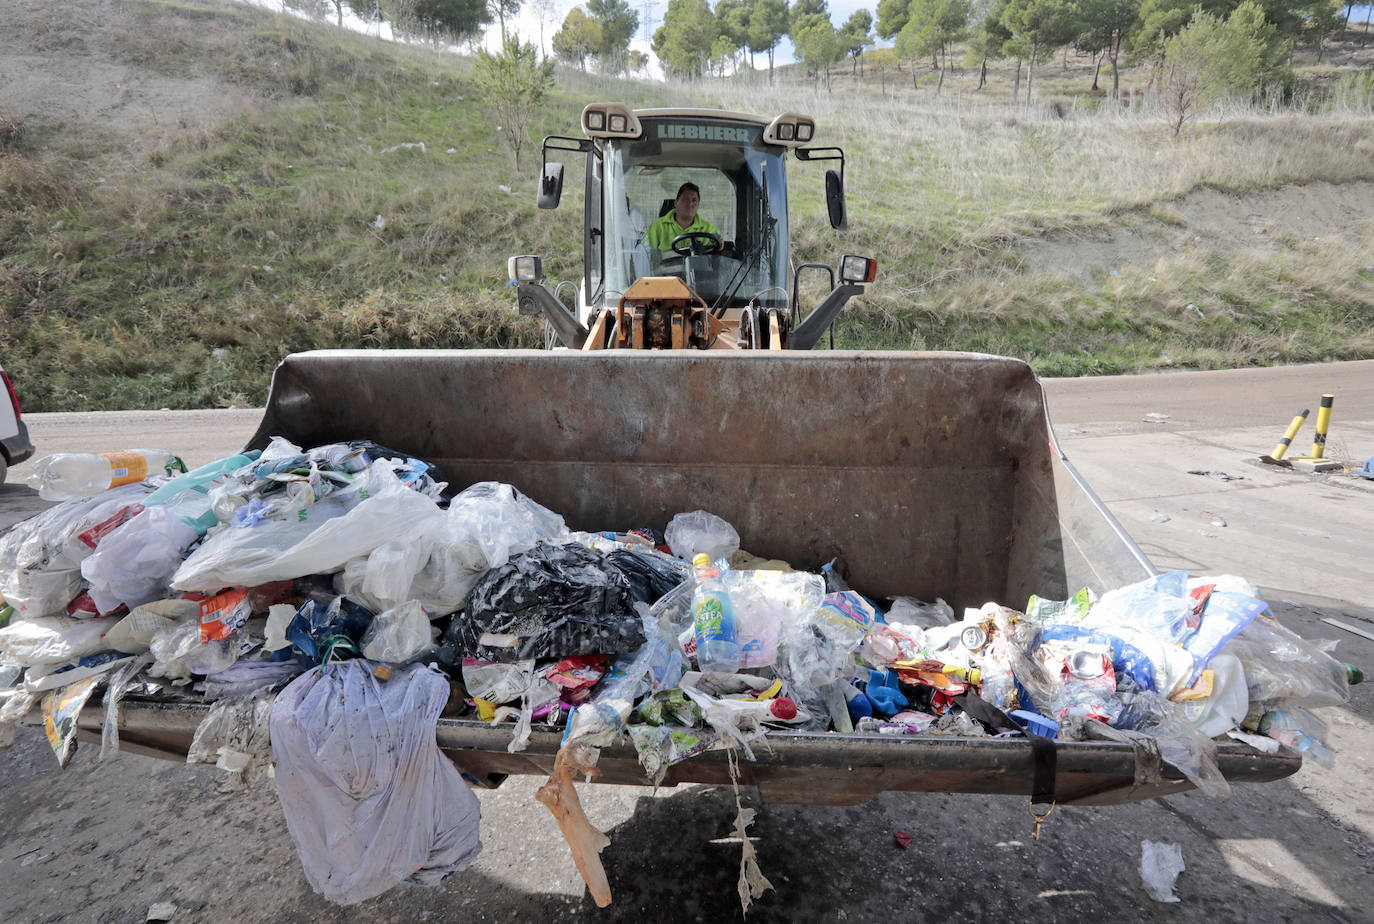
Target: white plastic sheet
321, 538
134, 563
53, 639
369, 799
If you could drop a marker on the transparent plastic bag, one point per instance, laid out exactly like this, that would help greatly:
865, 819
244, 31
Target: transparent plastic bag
767, 605
913, 612
234, 736
483, 527
376, 508
399, 635
1159, 605
178, 652
1281, 666
134, 633
689, 534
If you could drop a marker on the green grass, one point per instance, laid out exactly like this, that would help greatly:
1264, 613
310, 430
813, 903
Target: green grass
176, 271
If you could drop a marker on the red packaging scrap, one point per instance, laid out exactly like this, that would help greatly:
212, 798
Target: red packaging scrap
221, 615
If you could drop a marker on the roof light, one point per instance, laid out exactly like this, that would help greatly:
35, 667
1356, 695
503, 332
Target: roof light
789, 130
610, 120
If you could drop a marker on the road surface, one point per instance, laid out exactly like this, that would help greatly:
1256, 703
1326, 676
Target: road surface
103, 842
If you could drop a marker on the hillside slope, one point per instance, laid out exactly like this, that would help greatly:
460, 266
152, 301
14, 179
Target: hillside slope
189, 190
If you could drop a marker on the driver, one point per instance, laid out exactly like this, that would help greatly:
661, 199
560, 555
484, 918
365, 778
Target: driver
681, 219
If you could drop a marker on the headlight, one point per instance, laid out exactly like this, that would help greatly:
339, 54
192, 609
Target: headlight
617, 123
854, 269
596, 120
787, 131
525, 268
805, 130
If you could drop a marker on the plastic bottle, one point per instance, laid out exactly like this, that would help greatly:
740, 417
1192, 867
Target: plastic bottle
69, 475
714, 617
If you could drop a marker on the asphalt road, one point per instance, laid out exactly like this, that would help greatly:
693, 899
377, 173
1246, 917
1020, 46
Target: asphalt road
104, 841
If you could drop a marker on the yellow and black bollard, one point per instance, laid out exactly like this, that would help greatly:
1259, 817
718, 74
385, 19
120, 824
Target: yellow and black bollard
1317, 462
1281, 448
1323, 422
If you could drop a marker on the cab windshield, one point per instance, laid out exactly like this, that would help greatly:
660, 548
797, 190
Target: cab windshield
743, 197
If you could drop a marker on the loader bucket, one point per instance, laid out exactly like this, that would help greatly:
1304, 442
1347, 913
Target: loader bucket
928, 474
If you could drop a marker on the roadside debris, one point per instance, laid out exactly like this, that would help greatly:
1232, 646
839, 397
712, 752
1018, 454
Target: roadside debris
1160, 865
1155, 417
328, 605
1219, 476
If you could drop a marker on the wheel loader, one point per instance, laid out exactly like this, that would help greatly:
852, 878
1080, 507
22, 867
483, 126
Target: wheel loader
686, 379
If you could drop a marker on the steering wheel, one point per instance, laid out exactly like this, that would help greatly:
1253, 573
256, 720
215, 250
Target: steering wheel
696, 243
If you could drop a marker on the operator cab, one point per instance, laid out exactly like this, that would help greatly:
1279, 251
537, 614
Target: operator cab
681, 286
743, 187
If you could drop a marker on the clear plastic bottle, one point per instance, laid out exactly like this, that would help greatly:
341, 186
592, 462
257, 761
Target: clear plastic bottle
69, 475
714, 617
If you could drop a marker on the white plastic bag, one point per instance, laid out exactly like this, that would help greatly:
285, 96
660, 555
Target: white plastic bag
445, 554
369, 799
133, 564
321, 538
398, 635
1160, 865
53, 639
699, 531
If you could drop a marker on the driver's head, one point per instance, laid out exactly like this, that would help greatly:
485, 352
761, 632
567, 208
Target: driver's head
686, 204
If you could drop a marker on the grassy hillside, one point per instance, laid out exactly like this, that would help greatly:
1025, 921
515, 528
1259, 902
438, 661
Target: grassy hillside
207, 187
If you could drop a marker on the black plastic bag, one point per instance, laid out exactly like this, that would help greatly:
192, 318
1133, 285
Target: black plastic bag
553, 601
651, 575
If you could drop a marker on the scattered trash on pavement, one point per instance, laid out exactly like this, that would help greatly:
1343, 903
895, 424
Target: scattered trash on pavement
1160, 865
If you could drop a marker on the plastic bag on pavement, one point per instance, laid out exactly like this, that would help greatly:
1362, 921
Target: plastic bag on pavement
373, 510
399, 635
689, 534
369, 798
1160, 865
53, 639
132, 565
552, 601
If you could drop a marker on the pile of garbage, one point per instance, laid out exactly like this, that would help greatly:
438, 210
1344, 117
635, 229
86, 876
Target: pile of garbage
321, 597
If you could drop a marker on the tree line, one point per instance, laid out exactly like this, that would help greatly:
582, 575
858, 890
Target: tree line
698, 39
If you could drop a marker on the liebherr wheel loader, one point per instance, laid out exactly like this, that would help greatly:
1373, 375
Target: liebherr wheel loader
686, 380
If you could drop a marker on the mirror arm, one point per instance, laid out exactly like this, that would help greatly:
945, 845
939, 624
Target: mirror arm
533, 299
809, 331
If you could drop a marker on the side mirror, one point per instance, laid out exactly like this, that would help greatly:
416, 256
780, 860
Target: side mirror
551, 186
834, 199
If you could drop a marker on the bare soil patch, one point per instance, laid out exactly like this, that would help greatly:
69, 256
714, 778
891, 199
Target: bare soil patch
1206, 218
